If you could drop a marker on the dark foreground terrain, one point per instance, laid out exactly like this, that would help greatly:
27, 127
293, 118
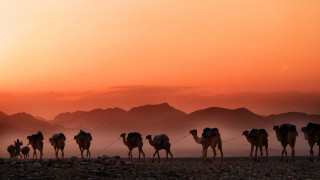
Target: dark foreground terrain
182, 168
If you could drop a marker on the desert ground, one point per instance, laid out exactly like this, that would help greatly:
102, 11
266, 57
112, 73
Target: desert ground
105, 167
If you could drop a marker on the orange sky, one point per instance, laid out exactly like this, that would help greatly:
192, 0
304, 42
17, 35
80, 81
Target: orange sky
217, 46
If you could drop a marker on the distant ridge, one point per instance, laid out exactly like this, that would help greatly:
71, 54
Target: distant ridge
155, 118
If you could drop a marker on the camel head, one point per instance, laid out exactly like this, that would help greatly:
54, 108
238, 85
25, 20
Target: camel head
51, 141
276, 128
193, 132
123, 135
77, 139
149, 137
246, 133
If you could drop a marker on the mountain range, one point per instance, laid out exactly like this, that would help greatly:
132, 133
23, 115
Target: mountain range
156, 118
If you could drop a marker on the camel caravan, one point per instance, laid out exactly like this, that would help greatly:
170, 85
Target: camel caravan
258, 138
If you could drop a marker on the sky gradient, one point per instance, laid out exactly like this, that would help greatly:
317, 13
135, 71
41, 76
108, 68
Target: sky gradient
215, 47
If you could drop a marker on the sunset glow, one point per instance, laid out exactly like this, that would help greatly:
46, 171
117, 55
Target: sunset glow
219, 46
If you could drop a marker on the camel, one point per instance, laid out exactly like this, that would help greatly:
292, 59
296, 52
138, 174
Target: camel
286, 134
312, 135
257, 138
12, 151
160, 142
57, 141
133, 140
35, 141
84, 139
25, 151
210, 137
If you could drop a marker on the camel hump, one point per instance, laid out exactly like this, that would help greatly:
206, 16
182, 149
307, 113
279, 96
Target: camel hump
58, 136
84, 134
134, 135
161, 137
263, 131
40, 135
313, 126
89, 134
11, 148
63, 136
285, 128
253, 133
210, 132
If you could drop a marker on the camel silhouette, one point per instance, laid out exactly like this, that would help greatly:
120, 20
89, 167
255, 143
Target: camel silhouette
35, 141
286, 134
210, 138
58, 143
25, 151
160, 142
257, 138
312, 135
132, 141
84, 139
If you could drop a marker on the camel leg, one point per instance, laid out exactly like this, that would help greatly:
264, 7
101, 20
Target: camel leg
144, 156
221, 152
255, 155
158, 156
88, 153
285, 152
214, 153
62, 154
293, 154
261, 153
129, 155
56, 152
139, 155
34, 153
166, 156
311, 153
154, 154
205, 154
267, 154
170, 155
81, 150
251, 152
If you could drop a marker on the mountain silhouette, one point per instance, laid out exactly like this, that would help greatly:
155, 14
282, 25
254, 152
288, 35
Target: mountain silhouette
157, 118
23, 122
2, 115
142, 117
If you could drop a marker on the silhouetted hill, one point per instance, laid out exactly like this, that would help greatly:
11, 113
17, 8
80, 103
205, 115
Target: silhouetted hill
25, 123
138, 118
294, 118
237, 118
154, 118
3, 115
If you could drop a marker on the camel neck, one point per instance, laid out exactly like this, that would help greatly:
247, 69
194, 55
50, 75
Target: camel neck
151, 142
196, 138
124, 140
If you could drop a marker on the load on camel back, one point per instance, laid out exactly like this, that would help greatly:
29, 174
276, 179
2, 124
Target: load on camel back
56, 137
254, 133
285, 128
160, 139
210, 132
134, 135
